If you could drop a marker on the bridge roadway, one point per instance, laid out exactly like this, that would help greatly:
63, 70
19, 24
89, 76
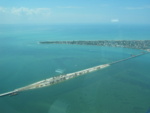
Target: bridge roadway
128, 58
61, 78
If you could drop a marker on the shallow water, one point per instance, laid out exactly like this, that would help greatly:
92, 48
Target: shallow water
121, 88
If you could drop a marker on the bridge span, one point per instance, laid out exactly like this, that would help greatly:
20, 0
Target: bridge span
62, 78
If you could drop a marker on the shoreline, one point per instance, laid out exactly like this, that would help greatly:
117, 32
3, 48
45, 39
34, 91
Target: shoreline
134, 44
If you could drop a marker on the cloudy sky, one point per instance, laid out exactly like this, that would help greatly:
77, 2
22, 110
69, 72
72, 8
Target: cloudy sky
74, 11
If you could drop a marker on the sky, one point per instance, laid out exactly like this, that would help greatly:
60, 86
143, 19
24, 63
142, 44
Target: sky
74, 11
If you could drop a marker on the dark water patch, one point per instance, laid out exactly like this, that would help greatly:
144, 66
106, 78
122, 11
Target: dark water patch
135, 82
138, 109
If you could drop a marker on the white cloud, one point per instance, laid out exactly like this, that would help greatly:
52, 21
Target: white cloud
134, 8
138, 8
3, 10
25, 15
25, 11
114, 20
105, 5
69, 7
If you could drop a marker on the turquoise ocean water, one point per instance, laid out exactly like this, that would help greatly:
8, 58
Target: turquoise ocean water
121, 88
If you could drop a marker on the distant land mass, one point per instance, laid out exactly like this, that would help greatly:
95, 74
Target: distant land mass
135, 44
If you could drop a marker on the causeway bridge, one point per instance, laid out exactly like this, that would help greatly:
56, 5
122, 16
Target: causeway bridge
65, 77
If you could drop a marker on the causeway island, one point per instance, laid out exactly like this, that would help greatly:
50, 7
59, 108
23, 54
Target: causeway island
135, 44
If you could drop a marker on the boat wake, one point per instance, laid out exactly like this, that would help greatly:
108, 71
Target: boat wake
60, 71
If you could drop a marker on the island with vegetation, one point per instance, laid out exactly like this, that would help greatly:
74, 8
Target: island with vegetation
135, 44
